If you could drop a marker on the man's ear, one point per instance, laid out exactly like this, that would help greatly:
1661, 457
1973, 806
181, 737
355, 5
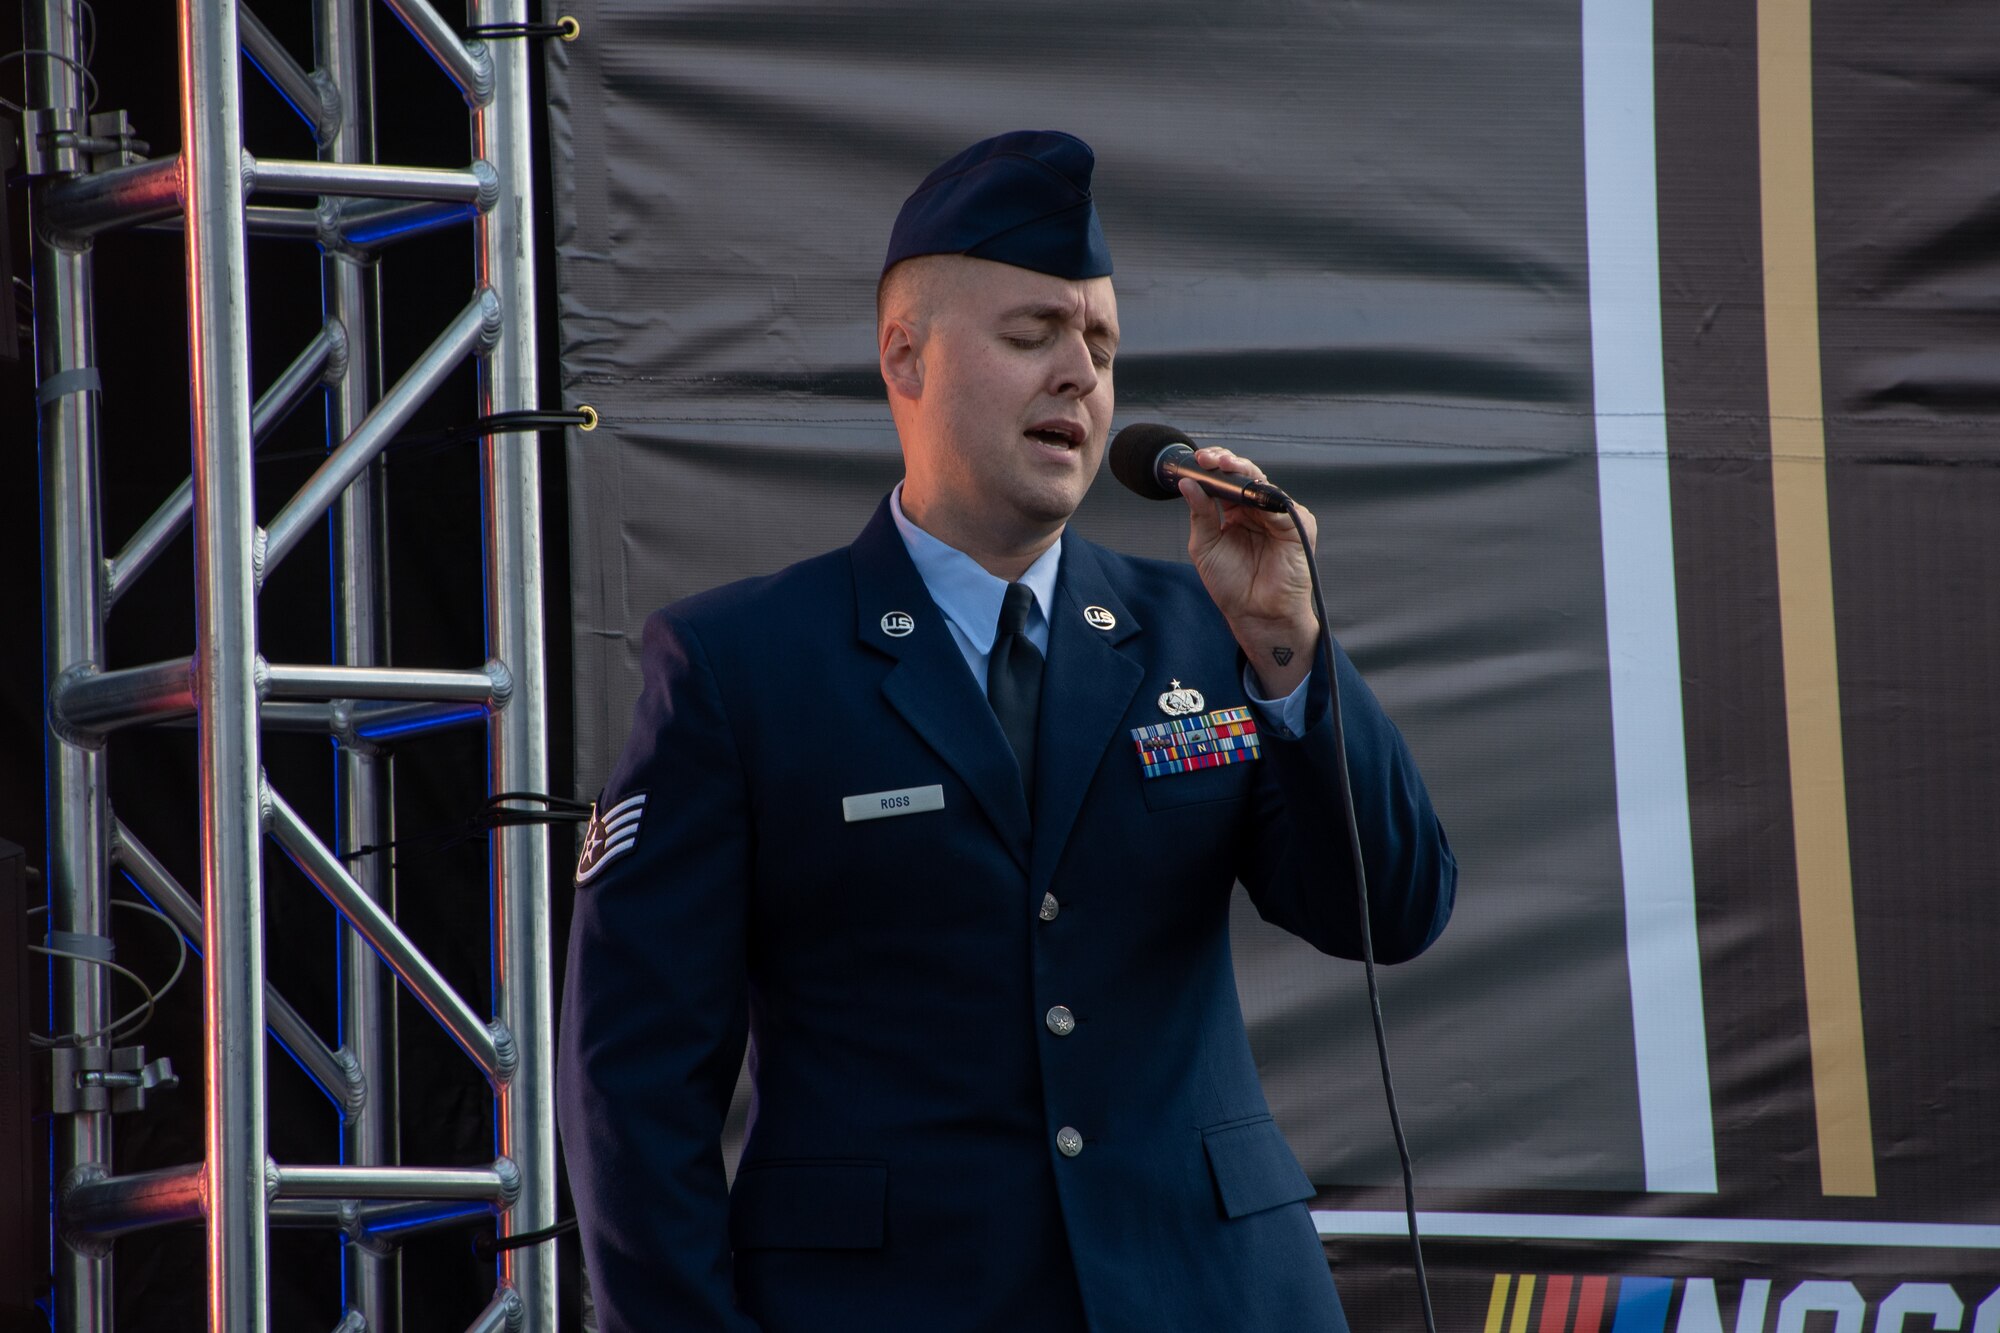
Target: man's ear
902, 359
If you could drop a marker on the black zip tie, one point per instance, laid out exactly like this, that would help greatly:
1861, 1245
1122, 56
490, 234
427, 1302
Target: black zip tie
417, 443
566, 28
486, 1245
560, 810
500, 423
492, 815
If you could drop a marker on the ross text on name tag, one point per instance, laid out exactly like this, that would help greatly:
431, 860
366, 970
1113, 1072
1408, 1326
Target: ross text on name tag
883, 804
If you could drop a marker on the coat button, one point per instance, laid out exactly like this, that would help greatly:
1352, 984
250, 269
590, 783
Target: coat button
1060, 1020
1050, 907
1068, 1142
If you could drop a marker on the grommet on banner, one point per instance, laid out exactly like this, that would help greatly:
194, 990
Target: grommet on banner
566, 28
589, 421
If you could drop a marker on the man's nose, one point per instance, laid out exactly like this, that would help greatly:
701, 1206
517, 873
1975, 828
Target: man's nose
1075, 372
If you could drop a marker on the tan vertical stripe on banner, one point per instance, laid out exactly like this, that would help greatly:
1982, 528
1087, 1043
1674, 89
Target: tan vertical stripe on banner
1805, 598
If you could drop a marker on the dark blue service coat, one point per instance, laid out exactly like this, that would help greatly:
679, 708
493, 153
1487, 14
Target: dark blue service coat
905, 1168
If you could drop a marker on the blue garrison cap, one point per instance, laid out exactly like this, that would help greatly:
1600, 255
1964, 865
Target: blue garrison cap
1021, 198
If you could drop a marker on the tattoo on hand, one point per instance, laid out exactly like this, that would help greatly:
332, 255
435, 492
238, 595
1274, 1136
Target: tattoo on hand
1281, 655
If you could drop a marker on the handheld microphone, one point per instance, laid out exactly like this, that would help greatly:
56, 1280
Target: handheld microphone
1151, 460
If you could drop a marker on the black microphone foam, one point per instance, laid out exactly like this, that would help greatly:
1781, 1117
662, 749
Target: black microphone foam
1136, 452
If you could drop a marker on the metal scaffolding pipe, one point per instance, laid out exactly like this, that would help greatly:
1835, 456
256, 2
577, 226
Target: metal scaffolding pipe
72, 636
489, 687
87, 706
321, 361
364, 812
80, 208
103, 1207
363, 723
465, 64
300, 717
503, 1314
493, 1184
275, 63
517, 736
467, 185
373, 223
337, 1214
378, 1228
473, 329
376, 723
490, 1046
295, 224
285, 223
211, 178
310, 367
226, 738
390, 1222
334, 1071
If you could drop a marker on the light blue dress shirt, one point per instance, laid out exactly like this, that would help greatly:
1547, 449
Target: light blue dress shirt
970, 599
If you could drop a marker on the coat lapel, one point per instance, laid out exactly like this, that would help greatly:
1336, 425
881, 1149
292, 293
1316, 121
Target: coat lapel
1086, 689
928, 683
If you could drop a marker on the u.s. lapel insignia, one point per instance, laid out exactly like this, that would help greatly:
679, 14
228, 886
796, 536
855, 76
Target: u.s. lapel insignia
1098, 618
898, 623
611, 834
1179, 701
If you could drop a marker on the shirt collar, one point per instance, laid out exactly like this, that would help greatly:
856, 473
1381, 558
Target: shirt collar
963, 590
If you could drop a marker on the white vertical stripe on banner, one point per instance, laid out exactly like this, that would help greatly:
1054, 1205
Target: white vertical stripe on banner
1675, 1121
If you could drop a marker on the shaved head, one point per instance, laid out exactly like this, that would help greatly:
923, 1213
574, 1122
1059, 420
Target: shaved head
912, 289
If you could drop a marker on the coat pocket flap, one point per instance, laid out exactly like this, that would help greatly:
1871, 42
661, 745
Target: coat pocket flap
1254, 1168
809, 1206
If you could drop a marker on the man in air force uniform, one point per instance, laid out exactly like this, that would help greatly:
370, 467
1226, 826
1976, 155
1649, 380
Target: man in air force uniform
945, 825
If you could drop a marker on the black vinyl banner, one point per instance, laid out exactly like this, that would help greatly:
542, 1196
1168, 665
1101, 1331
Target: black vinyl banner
1641, 366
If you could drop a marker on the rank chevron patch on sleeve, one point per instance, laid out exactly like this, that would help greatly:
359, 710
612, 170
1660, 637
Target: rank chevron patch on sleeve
611, 834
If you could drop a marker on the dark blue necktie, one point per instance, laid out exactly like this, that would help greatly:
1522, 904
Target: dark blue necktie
1014, 681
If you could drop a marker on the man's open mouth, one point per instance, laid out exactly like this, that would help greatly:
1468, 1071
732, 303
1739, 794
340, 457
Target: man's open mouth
1060, 434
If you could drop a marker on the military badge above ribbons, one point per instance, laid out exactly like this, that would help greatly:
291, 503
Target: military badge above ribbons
1183, 744
611, 834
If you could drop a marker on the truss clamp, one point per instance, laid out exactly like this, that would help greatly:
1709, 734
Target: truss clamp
101, 1078
112, 143
60, 141
49, 137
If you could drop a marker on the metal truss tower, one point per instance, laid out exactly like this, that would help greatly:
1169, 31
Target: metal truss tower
85, 189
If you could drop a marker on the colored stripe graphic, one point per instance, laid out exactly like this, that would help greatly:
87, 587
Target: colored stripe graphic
1524, 1299
1496, 1308
1642, 1304
1590, 1304
1555, 1305
1663, 953
1805, 598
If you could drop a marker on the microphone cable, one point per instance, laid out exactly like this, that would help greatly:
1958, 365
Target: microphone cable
1325, 653
1151, 460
